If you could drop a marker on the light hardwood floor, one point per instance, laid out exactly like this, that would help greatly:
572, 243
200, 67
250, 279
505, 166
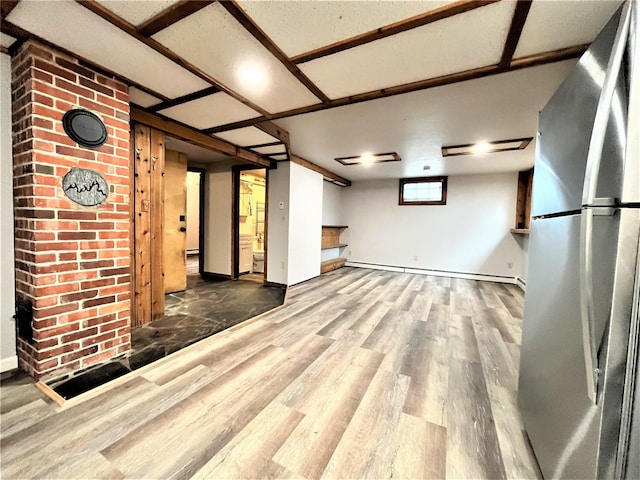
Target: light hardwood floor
364, 374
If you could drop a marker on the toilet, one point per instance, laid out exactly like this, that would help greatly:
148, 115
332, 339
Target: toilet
258, 262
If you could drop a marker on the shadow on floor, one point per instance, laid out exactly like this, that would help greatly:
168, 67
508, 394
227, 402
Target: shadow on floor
206, 307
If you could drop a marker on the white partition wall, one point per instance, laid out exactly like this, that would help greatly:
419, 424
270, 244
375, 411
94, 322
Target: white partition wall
305, 224
9, 360
217, 223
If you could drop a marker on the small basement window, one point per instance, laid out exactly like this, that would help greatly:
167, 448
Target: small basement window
423, 191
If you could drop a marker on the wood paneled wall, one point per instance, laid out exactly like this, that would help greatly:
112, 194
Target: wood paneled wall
148, 186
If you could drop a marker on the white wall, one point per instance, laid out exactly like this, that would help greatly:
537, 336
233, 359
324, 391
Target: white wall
332, 207
8, 359
217, 223
523, 241
193, 211
468, 235
278, 223
305, 224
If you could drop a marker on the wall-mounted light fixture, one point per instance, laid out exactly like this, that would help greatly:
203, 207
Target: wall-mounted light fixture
486, 147
369, 158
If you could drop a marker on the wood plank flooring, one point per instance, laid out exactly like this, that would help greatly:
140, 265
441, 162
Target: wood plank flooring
364, 374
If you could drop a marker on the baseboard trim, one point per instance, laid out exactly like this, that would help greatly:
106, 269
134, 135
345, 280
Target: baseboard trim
215, 276
522, 283
274, 284
435, 273
9, 363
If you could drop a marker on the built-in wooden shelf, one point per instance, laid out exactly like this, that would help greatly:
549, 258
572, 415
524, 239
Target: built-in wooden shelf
333, 264
331, 239
339, 245
523, 203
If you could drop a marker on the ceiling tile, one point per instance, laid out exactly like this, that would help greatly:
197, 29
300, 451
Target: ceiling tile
271, 149
141, 98
465, 41
298, 27
210, 111
6, 40
78, 30
246, 136
572, 23
135, 11
214, 41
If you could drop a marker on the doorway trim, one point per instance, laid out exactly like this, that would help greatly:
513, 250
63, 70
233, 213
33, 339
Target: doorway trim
202, 172
235, 217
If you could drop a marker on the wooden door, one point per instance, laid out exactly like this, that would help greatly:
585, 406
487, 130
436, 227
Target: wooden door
148, 210
175, 232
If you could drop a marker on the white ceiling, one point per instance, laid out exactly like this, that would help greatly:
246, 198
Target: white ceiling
416, 125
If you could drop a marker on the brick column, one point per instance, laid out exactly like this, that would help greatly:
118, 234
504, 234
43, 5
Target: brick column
72, 261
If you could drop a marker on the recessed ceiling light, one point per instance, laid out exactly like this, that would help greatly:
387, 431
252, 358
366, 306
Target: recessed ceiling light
366, 158
369, 158
486, 147
252, 74
481, 147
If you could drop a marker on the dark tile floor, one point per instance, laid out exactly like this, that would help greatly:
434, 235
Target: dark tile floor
206, 307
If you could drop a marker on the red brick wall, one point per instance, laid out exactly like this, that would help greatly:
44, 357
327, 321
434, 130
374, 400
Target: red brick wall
72, 262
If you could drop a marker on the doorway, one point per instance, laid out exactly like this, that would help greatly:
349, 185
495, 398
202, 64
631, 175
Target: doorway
250, 226
195, 220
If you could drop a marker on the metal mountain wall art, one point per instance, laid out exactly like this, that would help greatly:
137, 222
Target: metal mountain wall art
85, 187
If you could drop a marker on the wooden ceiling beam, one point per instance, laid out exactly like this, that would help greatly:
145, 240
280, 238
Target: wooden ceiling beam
317, 168
425, 18
232, 7
193, 136
126, 27
517, 64
171, 15
517, 24
274, 130
184, 99
547, 57
6, 6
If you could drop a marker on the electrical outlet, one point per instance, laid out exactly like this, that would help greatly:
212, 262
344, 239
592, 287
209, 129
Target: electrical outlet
415, 258
282, 265
510, 265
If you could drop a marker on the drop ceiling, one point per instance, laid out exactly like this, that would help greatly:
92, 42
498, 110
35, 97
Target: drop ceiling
342, 77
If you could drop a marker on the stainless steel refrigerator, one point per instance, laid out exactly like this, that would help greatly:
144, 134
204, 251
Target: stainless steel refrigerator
579, 361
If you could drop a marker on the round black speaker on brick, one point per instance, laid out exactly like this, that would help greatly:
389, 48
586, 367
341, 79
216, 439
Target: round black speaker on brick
84, 128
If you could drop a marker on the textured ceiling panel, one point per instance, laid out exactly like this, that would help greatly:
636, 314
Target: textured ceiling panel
572, 23
136, 11
214, 41
6, 40
246, 136
297, 27
465, 41
78, 30
211, 111
141, 98
271, 149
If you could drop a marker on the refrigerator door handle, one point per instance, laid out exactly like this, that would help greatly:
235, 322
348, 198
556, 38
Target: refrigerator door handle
603, 111
592, 173
586, 302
